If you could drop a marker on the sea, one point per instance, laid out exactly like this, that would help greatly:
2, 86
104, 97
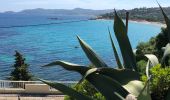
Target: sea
41, 45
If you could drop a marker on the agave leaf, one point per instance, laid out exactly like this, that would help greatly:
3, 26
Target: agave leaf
120, 97
134, 51
168, 95
70, 66
134, 87
166, 20
108, 87
127, 78
130, 97
147, 69
124, 43
153, 59
130, 83
90, 71
166, 54
127, 21
67, 90
163, 49
145, 93
92, 56
119, 75
120, 66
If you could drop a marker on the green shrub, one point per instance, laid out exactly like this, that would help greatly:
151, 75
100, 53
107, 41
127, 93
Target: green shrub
160, 82
87, 89
161, 41
153, 46
141, 66
147, 47
98, 96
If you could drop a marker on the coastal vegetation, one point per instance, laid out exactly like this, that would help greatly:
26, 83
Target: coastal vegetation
87, 89
160, 82
113, 83
148, 14
160, 79
20, 69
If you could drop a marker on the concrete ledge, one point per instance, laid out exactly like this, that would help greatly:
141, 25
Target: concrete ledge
40, 89
30, 97
31, 89
36, 88
12, 90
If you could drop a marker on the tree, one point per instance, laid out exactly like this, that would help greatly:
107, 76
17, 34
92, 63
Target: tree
161, 41
20, 71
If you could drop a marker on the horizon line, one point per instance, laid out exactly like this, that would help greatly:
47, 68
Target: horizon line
76, 8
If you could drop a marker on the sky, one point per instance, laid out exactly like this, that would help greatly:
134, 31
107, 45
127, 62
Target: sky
18, 5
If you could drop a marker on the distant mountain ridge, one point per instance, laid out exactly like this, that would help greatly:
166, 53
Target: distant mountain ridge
148, 14
59, 12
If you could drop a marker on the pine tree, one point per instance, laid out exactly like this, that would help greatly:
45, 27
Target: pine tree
20, 71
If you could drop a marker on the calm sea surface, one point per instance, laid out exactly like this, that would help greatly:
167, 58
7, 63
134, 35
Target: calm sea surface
43, 44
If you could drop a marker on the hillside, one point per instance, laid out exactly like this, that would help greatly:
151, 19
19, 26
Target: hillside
148, 14
57, 12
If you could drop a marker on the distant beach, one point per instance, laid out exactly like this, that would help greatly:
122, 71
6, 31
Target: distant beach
140, 21
149, 22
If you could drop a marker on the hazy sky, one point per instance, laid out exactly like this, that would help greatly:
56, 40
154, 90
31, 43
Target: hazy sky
17, 5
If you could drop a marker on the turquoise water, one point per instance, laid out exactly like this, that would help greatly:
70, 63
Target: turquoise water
44, 44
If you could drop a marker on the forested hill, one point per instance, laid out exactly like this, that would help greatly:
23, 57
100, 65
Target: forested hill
89, 13
148, 14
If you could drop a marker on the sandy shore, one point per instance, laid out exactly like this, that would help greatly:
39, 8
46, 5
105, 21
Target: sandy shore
142, 21
148, 22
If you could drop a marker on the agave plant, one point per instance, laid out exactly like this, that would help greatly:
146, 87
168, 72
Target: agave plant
113, 83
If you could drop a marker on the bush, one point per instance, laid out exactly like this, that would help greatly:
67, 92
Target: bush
160, 82
98, 96
161, 41
141, 66
87, 89
153, 46
147, 47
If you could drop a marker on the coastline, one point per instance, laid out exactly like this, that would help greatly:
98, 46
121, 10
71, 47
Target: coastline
148, 22
141, 21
